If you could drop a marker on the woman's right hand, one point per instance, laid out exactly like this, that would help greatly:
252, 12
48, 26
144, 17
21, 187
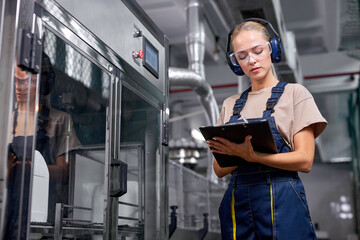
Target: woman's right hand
244, 150
224, 146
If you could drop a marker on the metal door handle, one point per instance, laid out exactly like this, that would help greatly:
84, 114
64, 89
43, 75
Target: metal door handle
119, 179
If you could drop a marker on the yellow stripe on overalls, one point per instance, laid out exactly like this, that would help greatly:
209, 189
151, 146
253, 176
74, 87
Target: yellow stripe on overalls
233, 214
271, 202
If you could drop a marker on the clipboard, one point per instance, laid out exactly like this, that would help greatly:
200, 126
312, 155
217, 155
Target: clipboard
262, 139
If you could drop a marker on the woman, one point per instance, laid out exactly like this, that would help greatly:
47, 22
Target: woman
265, 198
19, 155
55, 137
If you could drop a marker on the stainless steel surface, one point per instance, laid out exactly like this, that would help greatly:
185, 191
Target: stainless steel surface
75, 52
122, 42
56, 19
54, 10
58, 232
138, 85
26, 18
8, 33
113, 133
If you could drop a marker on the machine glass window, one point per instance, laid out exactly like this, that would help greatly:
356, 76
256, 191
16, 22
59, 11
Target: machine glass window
140, 123
68, 185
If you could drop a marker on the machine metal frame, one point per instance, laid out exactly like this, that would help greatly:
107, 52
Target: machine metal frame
52, 16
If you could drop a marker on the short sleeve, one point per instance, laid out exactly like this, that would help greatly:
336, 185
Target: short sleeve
306, 112
227, 109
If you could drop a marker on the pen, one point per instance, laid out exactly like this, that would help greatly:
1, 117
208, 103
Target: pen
243, 118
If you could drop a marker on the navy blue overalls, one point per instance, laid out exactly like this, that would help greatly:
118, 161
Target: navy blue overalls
263, 202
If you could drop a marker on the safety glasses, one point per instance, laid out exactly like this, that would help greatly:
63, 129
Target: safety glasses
24, 82
258, 52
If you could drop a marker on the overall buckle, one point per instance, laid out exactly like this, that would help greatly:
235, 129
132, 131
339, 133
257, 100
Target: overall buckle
271, 104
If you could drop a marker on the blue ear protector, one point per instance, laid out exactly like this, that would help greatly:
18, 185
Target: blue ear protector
276, 54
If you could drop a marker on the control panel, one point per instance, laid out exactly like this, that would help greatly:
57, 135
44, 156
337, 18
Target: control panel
149, 54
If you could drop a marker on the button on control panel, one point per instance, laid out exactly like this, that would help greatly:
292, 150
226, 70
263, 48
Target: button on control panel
137, 54
148, 53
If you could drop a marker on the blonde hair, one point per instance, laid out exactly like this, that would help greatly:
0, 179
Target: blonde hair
250, 26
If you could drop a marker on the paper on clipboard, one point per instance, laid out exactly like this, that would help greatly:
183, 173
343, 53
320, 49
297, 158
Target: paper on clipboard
262, 139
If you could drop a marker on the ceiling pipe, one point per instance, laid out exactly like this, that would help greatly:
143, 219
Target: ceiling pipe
194, 76
195, 37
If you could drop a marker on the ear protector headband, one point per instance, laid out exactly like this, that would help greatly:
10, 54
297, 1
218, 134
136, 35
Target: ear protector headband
276, 54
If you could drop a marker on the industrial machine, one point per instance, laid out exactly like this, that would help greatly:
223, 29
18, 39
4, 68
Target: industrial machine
101, 129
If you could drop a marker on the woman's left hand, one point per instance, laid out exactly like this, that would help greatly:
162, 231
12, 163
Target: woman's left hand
223, 146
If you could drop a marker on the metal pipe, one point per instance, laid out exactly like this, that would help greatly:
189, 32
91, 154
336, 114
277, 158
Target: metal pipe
184, 77
194, 76
9, 16
189, 78
195, 37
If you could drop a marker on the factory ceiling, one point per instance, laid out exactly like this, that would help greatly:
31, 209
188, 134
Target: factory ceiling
319, 27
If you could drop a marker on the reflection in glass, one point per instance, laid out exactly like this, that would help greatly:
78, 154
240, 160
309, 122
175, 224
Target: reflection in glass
57, 177
20, 154
77, 129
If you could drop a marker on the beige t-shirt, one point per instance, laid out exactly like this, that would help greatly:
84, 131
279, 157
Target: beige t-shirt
60, 130
295, 110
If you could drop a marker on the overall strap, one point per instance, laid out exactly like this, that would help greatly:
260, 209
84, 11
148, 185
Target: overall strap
276, 93
239, 105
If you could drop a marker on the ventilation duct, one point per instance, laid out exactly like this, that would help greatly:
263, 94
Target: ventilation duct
194, 76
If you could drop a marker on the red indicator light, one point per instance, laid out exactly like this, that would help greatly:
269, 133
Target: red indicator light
141, 54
